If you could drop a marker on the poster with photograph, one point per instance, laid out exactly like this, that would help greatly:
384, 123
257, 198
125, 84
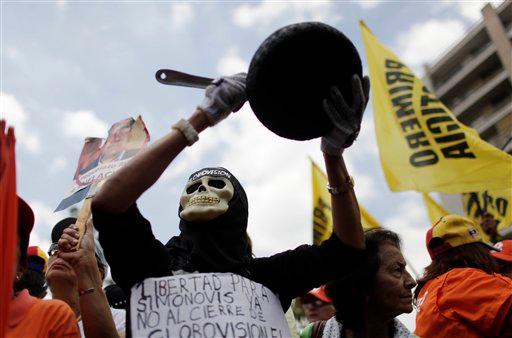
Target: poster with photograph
99, 159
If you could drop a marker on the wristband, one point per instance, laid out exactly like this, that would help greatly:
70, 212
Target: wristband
339, 189
184, 127
84, 292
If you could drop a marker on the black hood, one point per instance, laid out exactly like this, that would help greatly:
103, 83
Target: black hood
218, 245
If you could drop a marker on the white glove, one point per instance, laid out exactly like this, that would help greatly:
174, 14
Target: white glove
225, 95
346, 120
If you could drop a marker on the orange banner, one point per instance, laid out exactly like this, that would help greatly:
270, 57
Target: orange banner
8, 221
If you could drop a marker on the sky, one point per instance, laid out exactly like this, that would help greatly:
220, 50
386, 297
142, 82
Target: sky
70, 69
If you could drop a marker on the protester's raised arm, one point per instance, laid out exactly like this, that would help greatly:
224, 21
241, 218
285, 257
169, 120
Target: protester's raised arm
345, 210
94, 308
347, 123
123, 188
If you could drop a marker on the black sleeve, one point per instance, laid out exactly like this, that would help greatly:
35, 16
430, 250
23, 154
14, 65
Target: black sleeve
293, 273
131, 249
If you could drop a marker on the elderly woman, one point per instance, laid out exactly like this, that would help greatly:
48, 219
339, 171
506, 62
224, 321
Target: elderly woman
462, 293
368, 301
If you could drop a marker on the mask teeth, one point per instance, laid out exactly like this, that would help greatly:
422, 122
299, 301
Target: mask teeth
203, 200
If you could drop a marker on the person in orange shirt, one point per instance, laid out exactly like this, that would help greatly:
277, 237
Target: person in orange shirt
504, 257
30, 316
461, 293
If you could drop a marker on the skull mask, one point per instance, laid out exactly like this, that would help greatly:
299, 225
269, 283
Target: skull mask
206, 198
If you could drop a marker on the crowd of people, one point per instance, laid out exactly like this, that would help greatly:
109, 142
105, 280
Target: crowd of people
354, 284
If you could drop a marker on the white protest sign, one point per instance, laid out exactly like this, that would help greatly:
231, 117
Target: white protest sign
205, 305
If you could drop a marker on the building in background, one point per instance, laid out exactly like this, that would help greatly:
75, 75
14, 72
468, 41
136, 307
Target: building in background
474, 79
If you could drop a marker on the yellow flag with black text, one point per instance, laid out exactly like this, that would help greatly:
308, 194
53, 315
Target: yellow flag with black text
495, 202
421, 144
322, 216
434, 210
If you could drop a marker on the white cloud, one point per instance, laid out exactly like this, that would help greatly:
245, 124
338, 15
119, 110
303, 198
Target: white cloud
232, 63
365, 188
210, 141
360, 153
263, 13
61, 4
12, 111
366, 143
180, 166
411, 223
188, 160
267, 12
471, 10
12, 52
83, 123
182, 14
31, 142
45, 219
280, 208
44, 215
369, 4
424, 42
58, 164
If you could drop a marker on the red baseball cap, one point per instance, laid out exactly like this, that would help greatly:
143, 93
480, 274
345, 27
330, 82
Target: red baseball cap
25, 216
506, 251
316, 293
25, 225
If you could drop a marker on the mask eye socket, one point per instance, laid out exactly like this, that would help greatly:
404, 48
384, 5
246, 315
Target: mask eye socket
193, 187
219, 184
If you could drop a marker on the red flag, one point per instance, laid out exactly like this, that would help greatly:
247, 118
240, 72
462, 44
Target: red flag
8, 221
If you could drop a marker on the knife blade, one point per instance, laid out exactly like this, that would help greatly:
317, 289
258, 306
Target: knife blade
175, 78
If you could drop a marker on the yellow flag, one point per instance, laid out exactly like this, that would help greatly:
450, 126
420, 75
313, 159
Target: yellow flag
367, 220
496, 202
422, 146
435, 211
322, 216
